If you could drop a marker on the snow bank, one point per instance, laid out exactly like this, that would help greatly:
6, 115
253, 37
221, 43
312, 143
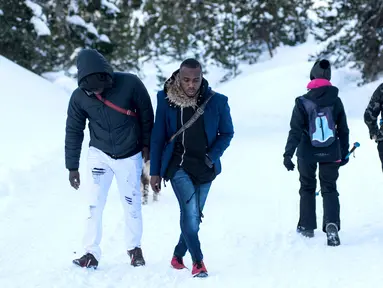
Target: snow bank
33, 113
248, 232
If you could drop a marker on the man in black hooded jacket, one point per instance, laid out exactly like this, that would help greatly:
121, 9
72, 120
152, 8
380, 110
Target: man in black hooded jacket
121, 117
320, 138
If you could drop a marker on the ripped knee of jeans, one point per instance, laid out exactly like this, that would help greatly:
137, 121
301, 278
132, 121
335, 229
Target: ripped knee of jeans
91, 211
97, 173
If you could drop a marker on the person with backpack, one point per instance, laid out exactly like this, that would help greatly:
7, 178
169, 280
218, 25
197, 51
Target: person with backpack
192, 130
320, 133
121, 118
371, 114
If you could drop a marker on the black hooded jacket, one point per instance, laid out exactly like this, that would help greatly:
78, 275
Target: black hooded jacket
299, 137
112, 132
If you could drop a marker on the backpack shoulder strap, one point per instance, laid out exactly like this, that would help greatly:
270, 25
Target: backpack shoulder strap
307, 104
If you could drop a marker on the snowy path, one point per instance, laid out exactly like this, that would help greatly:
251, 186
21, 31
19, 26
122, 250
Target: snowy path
247, 234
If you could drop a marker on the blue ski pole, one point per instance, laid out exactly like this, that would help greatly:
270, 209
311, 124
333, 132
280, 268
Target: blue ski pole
356, 145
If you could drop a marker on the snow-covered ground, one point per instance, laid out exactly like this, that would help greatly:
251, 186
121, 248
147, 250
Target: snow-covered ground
248, 233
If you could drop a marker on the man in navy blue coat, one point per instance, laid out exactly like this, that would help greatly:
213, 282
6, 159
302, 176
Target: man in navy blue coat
192, 160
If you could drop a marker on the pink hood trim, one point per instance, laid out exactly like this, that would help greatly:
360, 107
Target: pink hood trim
319, 82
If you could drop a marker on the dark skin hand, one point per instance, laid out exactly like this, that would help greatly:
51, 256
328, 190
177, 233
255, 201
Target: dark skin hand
155, 183
74, 179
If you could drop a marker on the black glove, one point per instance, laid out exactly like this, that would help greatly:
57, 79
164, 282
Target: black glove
344, 162
74, 179
374, 137
288, 163
208, 162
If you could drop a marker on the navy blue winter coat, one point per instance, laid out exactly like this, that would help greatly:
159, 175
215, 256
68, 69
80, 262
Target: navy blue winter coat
218, 128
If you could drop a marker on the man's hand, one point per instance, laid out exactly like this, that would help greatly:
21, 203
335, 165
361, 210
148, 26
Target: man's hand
288, 163
146, 154
155, 183
74, 179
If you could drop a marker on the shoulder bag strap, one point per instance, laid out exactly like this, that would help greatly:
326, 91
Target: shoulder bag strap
196, 115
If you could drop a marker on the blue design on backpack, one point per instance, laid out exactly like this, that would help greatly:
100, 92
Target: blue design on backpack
322, 131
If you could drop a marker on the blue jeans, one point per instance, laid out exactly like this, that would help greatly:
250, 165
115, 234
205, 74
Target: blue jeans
191, 199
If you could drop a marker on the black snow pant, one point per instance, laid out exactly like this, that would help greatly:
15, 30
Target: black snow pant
380, 150
328, 175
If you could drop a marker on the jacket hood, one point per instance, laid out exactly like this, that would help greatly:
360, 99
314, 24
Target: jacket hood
90, 61
177, 97
323, 96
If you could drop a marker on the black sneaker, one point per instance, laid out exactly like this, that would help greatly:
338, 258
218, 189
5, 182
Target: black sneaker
305, 232
136, 257
332, 235
87, 261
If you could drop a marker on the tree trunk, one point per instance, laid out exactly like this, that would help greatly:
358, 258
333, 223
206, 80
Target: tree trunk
269, 48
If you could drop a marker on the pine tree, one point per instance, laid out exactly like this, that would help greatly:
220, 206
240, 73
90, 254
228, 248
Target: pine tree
244, 29
101, 25
216, 32
352, 31
75, 26
296, 23
23, 34
172, 27
123, 46
229, 44
173, 30
272, 23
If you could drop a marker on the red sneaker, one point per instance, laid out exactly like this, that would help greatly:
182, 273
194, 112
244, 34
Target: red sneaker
199, 269
177, 263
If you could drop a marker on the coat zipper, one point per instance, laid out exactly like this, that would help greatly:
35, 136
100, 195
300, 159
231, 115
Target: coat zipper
109, 130
321, 126
183, 136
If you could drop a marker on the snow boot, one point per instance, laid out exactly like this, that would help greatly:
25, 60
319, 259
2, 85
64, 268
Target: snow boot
136, 257
309, 233
177, 263
199, 269
88, 261
332, 235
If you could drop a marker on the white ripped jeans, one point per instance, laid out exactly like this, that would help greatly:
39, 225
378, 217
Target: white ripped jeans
101, 169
